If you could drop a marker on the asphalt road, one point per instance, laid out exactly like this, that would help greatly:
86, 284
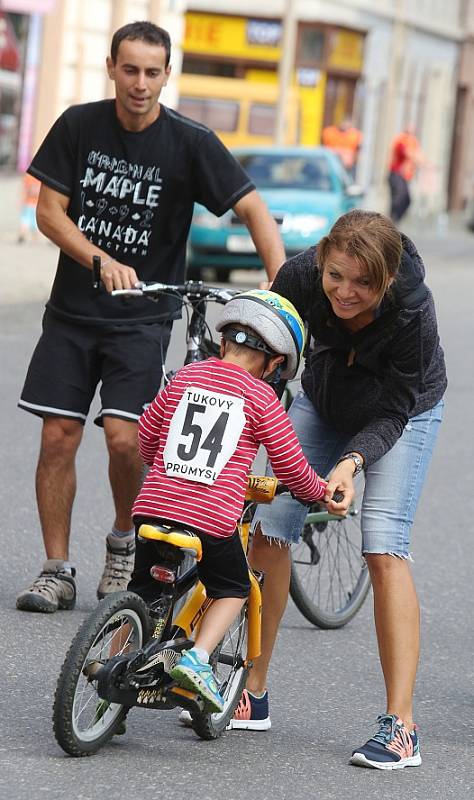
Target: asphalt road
325, 686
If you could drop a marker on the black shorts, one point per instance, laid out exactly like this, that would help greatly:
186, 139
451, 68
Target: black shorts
223, 568
71, 360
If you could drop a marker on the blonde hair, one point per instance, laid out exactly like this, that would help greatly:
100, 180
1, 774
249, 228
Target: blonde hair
372, 239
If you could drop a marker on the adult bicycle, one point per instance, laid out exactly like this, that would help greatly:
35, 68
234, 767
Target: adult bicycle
329, 576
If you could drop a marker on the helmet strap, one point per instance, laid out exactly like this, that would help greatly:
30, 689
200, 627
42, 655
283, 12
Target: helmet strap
275, 376
248, 340
255, 343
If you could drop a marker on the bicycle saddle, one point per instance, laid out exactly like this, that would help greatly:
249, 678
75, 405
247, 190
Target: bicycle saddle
174, 536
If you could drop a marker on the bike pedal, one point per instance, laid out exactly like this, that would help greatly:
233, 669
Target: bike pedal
191, 698
143, 681
91, 669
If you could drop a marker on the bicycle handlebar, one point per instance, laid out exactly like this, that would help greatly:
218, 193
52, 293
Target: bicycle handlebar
192, 289
337, 497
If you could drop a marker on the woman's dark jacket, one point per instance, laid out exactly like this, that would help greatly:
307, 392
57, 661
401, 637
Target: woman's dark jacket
368, 384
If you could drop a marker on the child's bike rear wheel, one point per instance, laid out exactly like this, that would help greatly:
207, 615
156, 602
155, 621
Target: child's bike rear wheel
228, 663
82, 721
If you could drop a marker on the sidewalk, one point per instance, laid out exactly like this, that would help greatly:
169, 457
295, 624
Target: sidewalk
26, 270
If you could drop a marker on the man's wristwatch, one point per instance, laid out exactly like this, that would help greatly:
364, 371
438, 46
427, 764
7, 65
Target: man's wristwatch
355, 457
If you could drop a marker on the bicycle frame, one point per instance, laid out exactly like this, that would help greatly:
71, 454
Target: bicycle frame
196, 330
323, 516
131, 679
260, 489
189, 617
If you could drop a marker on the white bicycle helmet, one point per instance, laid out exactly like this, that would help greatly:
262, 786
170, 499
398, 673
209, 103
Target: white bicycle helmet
275, 321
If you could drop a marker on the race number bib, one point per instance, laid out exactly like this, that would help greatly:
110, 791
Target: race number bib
203, 435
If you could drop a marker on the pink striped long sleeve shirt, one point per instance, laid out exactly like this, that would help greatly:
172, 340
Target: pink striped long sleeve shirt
216, 508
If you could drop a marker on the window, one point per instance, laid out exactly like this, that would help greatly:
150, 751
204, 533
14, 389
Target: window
288, 171
311, 46
262, 119
201, 66
220, 115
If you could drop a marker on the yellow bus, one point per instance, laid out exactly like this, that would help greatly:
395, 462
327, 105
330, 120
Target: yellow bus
244, 112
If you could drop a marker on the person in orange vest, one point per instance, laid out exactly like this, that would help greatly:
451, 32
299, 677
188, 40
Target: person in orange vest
405, 157
346, 141
29, 199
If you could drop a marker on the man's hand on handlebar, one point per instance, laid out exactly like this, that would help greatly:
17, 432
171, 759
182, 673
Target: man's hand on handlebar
117, 276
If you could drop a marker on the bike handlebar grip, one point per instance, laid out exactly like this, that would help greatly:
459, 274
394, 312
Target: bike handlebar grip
337, 497
96, 272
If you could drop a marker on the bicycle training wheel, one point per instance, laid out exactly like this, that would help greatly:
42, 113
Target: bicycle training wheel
329, 576
82, 721
227, 661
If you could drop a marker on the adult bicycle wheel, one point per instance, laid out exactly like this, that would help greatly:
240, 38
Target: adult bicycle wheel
227, 661
82, 721
329, 576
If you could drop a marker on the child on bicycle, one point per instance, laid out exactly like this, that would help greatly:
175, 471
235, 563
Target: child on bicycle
200, 436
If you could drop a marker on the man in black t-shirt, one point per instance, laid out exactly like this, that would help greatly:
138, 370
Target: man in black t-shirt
119, 180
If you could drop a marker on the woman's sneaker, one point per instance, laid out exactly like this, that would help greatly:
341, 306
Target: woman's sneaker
53, 589
197, 676
251, 714
392, 747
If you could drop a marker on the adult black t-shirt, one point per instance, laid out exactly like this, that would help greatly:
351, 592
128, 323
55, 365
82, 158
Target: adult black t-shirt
132, 194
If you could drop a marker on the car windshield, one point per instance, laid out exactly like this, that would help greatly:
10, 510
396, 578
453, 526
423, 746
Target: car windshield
273, 171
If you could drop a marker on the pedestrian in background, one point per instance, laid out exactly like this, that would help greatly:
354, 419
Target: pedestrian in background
346, 140
405, 157
119, 181
30, 190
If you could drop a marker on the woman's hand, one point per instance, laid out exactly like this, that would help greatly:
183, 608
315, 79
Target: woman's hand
341, 480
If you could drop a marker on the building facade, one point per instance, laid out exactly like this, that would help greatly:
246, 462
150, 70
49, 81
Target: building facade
385, 63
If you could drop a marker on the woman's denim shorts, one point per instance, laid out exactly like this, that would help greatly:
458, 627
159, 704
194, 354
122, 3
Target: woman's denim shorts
393, 484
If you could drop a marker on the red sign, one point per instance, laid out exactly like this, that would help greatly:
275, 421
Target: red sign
9, 50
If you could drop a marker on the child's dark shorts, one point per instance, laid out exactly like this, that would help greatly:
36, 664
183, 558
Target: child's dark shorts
223, 568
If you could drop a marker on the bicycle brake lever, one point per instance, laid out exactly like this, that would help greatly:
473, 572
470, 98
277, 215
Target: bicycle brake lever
96, 272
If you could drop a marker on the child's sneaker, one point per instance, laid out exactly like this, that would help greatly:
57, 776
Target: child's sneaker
392, 747
251, 714
197, 676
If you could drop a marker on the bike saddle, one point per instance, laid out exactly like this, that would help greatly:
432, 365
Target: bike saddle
177, 537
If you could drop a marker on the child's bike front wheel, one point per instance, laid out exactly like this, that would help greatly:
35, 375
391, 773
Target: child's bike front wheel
82, 721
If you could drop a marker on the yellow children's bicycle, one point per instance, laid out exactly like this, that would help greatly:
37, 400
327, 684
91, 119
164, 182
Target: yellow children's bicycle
123, 652
329, 576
